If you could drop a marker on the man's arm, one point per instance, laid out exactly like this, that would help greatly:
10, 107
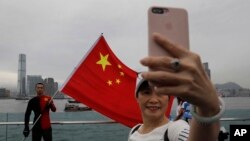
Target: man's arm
27, 114
52, 106
26, 130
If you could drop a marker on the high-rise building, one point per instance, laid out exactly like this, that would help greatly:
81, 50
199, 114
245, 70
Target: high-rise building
21, 75
4, 93
49, 86
206, 67
32, 80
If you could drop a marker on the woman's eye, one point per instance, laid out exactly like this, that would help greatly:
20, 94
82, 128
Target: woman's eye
146, 92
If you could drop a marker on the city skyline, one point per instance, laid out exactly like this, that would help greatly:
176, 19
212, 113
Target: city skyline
55, 35
39, 78
26, 83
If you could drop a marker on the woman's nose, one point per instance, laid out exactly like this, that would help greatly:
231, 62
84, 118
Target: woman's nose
154, 97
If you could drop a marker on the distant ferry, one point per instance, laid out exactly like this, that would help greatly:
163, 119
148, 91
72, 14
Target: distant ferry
69, 107
73, 101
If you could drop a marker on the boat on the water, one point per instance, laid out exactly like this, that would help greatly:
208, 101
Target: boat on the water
73, 101
70, 107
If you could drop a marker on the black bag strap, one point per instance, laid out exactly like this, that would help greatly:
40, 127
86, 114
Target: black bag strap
165, 134
136, 128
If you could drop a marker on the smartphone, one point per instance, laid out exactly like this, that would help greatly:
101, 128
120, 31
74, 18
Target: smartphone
170, 22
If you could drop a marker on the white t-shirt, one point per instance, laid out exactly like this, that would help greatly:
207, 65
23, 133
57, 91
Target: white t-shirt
177, 131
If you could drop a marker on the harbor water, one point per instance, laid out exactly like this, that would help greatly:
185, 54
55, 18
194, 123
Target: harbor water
13, 111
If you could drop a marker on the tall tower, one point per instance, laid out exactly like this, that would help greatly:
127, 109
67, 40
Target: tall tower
21, 75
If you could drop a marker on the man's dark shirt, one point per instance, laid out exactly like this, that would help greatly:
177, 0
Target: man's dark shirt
38, 106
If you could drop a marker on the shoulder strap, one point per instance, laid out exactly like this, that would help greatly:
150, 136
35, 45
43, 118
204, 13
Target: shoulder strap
136, 128
166, 136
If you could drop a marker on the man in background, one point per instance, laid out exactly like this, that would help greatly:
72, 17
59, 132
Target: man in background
40, 105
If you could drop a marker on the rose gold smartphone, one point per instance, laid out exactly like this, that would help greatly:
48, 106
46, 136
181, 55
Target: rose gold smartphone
170, 22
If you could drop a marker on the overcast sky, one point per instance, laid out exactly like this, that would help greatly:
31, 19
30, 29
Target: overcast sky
56, 34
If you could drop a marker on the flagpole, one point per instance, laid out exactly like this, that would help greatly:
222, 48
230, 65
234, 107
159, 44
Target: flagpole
41, 114
84, 57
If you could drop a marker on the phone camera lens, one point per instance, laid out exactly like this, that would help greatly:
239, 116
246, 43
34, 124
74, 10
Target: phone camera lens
157, 10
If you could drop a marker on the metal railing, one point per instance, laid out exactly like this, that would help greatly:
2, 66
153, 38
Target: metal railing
57, 124
86, 122
62, 122
102, 121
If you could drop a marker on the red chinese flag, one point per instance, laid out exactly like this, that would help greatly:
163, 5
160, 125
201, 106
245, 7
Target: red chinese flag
101, 81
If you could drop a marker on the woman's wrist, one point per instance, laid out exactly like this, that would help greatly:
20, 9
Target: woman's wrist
210, 117
208, 110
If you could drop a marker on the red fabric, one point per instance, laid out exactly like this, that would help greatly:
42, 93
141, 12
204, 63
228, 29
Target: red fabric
170, 104
108, 86
45, 119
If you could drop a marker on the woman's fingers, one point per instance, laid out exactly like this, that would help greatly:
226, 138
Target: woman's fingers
171, 48
164, 63
189, 82
157, 63
164, 78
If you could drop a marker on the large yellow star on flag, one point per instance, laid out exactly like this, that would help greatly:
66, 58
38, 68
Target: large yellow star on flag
103, 61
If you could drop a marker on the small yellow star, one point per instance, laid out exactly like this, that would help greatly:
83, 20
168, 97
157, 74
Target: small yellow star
119, 66
117, 81
103, 61
109, 82
122, 73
